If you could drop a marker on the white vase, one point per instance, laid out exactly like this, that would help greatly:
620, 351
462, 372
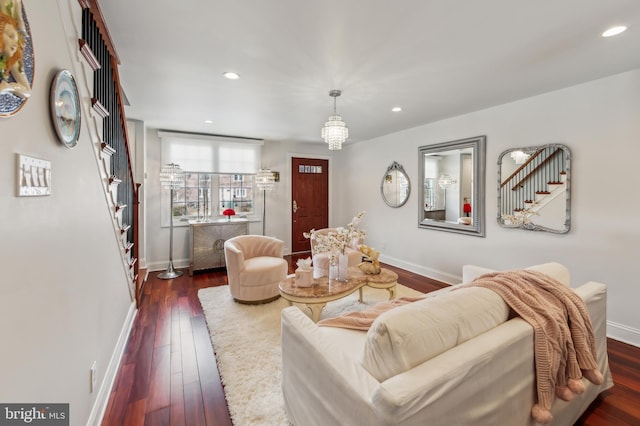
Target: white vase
339, 270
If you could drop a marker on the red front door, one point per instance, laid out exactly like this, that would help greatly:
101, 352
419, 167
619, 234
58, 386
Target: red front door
310, 199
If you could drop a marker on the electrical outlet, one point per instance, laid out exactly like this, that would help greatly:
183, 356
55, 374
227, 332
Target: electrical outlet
92, 377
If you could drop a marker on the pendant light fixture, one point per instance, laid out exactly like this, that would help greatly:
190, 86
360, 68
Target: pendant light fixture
335, 131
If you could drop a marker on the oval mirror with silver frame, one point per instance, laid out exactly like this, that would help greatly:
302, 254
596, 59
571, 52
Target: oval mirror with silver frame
395, 187
534, 188
452, 193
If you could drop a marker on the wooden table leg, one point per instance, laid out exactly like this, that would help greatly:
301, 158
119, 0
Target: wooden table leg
316, 309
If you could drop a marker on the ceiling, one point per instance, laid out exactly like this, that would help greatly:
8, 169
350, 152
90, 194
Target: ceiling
434, 58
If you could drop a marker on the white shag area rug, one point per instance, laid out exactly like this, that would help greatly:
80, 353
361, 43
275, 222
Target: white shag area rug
246, 341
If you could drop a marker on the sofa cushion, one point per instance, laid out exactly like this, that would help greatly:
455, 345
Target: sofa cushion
553, 269
411, 334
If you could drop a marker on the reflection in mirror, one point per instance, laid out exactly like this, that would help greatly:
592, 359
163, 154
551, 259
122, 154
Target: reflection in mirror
452, 193
534, 188
395, 187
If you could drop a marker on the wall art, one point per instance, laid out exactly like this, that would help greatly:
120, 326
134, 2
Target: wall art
16, 57
33, 176
65, 108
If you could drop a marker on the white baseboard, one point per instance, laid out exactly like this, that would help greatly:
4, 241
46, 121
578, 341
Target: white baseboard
422, 270
162, 265
623, 333
102, 398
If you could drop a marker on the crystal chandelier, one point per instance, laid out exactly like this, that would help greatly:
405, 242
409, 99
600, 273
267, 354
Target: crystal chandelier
519, 157
335, 131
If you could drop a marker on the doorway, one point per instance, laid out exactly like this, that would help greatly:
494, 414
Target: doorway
309, 199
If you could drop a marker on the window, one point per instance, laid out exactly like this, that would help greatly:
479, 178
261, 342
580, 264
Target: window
236, 192
219, 174
207, 195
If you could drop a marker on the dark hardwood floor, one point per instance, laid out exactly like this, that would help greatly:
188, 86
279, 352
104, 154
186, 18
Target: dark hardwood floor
168, 374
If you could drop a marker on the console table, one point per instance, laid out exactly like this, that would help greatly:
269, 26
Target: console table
207, 242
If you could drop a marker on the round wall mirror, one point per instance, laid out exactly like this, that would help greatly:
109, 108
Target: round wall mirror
395, 187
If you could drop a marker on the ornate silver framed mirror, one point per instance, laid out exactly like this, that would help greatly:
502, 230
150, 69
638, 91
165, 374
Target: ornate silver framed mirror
534, 188
395, 187
452, 193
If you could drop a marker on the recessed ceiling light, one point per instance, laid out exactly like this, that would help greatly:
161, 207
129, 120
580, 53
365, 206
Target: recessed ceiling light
231, 75
208, 121
396, 109
614, 31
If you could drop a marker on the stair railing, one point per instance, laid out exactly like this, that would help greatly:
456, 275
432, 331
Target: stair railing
531, 178
107, 102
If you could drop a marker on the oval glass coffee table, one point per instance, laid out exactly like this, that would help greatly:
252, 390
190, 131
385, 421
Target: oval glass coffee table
323, 290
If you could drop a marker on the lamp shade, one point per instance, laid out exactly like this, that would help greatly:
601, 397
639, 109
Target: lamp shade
445, 181
171, 176
265, 180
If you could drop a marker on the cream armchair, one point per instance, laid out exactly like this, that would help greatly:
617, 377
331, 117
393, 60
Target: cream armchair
255, 267
321, 259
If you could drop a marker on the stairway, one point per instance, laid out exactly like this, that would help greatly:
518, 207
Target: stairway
97, 73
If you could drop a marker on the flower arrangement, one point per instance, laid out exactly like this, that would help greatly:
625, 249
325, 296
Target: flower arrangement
520, 217
228, 213
336, 242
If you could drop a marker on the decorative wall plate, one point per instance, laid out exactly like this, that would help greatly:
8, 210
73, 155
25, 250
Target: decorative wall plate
17, 60
65, 108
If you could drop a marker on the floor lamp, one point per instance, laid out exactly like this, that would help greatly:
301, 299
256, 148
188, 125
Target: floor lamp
264, 181
172, 177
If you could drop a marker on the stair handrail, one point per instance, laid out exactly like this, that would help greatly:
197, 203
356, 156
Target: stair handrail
525, 164
118, 96
535, 169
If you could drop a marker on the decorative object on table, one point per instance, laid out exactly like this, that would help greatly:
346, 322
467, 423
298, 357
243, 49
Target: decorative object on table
371, 264
33, 176
466, 207
171, 177
521, 217
304, 273
265, 180
228, 213
336, 243
16, 58
65, 108
338, 267
335, 131
465, 220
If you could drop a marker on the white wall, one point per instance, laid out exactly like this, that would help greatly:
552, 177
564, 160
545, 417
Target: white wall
599, 121
63, 294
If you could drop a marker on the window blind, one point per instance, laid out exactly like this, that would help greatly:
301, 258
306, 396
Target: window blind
210, 154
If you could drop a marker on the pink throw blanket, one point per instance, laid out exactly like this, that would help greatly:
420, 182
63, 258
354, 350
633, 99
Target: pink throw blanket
362, 320
564, 343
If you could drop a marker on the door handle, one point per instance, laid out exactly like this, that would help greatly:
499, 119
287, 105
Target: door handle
295, 206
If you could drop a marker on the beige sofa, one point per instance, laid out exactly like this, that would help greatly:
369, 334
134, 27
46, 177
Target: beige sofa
485, 378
